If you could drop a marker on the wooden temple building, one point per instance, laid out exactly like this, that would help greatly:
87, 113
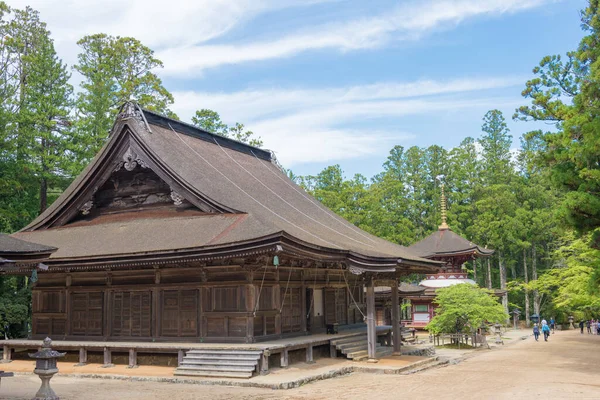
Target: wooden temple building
175, 234
444, 246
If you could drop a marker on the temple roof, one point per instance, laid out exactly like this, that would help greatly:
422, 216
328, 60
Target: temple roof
16, 250
240, 197
445, 243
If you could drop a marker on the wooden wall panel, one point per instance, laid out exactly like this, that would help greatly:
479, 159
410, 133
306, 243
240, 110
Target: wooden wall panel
87, 313
179, 313
131, 314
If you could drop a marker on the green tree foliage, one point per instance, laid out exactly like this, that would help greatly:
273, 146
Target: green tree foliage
114, 70
463, 308
565, 92
34, 116
210, 121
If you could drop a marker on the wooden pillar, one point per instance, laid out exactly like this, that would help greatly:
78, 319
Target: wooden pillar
309, 354
132, 358
264, 362
371, 322
395, 320
285, 360
107, 358
82, 356
180, 354
6, 356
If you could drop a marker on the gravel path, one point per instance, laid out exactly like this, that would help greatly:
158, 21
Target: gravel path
565, 367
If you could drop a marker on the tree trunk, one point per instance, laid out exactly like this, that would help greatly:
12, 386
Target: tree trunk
534, 276
526, 274
475, 270
489, 274
502, 267
44, 181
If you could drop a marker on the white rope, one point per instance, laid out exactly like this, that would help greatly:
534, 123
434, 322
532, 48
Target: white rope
249, 195
312, 201
352, 296
260, 291
286, 289
285, 201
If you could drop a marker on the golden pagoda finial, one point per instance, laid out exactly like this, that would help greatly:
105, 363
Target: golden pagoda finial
444, 226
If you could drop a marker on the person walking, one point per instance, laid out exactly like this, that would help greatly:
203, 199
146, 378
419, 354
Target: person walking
594, 326
588, 325
536, 332
546, 331
552, 324
581, 326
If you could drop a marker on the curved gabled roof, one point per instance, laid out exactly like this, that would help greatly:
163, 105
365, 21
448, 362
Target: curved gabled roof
228, 177
445, 243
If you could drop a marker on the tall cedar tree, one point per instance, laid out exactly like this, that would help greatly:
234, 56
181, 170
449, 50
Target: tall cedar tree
114, 70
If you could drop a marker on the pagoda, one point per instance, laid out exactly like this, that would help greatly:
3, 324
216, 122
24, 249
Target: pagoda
446, 246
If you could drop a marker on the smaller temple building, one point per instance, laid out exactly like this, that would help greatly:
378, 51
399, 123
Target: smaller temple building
452, 249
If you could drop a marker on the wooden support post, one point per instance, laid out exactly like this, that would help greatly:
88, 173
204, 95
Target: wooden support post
180, 354
264, 362
82, 357
285, 360
107, 358
132, 358
397, 338
309, 354
332, 350
371, 328
6, 356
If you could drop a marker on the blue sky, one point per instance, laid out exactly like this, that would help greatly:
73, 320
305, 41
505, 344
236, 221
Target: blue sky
336, 81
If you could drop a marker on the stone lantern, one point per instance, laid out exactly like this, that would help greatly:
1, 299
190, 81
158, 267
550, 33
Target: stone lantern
571, 326
45, 368
498, 332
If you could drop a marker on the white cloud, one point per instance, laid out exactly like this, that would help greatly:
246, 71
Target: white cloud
308, 125
156, 23
406, 22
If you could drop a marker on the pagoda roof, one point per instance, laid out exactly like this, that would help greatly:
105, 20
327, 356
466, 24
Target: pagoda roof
446, 243
17, 250
244, 203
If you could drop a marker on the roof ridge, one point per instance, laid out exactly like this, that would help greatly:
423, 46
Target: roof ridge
188, 129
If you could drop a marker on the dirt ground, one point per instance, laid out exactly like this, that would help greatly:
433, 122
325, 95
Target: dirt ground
565, 367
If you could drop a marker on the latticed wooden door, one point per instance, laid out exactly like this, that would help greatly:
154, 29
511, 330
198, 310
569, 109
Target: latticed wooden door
291, 312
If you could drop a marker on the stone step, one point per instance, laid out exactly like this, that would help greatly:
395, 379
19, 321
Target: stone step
364, 354
226, 352
350, 344
358, 347
337, 342
212, 361
218, 374
209, 367
355, 348
214, 356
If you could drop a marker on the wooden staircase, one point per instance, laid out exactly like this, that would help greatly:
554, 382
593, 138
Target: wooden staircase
219, 363
355, 348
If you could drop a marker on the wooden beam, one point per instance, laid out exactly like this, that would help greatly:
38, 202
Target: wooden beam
371, 322
396, 320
